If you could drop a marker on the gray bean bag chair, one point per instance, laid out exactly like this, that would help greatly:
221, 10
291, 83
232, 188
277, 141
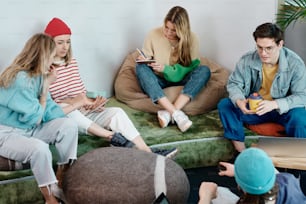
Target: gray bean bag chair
124, 175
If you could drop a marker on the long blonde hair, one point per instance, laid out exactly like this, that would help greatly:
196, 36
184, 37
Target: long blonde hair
33, 59
179, 17
68, 57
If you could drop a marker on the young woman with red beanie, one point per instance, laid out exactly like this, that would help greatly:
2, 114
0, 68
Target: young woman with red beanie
69, 91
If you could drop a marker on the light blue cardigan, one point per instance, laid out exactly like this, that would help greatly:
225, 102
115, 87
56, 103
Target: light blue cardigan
19, 103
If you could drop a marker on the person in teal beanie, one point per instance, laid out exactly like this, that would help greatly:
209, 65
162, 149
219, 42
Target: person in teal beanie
259, 181
30, 120
176, 52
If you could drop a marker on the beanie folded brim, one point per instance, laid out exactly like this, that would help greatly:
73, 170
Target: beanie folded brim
254, 171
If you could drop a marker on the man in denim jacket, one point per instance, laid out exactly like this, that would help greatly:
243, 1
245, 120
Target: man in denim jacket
278, 75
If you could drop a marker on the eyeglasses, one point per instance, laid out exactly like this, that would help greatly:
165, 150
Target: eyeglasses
268, 50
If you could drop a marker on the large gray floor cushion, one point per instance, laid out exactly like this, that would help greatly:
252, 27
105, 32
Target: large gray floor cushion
122, 175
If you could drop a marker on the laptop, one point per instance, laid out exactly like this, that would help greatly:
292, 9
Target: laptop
283, 146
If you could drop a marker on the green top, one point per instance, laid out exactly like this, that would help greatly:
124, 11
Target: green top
177, 72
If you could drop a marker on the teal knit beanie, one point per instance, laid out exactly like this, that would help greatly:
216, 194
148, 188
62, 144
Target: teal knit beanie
254, 171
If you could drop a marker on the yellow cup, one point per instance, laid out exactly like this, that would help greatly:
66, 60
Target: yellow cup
253, 103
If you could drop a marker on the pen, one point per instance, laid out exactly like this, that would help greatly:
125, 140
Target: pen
141, 53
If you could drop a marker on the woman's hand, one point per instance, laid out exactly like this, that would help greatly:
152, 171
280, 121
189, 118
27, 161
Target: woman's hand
48, 79
207, 192
140, 57
83, 101
157, 67
99, 103
77, 102
51, 75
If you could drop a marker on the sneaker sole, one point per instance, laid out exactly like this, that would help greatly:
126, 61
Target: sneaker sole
59, 194
186, 126
162, 122
172, 154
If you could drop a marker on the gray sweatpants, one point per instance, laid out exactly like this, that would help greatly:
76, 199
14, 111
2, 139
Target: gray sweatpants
32, 146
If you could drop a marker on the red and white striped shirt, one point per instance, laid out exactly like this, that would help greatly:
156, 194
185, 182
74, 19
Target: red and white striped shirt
68, 83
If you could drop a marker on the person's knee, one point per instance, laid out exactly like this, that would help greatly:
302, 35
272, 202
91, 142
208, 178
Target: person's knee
297, 122
118, 111
67, 123
40, 151
223, 104
297, 112
141, 69
296, 115
205, 70
66, 126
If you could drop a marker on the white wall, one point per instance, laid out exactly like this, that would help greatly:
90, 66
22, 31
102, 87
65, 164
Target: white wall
104, 31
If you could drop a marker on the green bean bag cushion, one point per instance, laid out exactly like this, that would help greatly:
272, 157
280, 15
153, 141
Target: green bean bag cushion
128, 90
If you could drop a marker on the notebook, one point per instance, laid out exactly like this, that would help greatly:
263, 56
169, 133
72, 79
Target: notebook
283, 146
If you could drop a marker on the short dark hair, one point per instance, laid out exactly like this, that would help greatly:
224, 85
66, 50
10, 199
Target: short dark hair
269, 30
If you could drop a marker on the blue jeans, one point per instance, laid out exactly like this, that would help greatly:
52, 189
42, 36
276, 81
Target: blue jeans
233, 120
153, 84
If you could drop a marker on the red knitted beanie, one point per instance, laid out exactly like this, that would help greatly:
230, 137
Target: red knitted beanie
57, 27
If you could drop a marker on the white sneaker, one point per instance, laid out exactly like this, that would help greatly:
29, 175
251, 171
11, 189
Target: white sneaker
58, 192
181, 120
163, 118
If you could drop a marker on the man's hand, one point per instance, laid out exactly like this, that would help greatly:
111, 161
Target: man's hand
242, 104
266, 106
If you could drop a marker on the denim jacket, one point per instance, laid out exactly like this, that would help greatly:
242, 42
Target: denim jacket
288, 87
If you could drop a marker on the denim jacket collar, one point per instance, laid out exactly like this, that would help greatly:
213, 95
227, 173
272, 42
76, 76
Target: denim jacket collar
283, 65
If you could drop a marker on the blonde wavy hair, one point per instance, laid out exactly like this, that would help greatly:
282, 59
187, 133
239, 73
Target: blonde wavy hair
68, 57
179, 17
33, 59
